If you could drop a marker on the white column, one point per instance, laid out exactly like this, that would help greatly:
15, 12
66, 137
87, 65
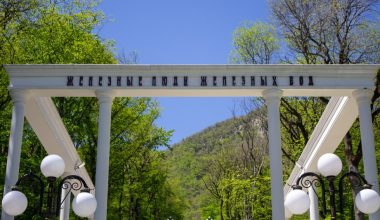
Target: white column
363, 100
103, 151
272, 100
313, 211
15, 140
65, 208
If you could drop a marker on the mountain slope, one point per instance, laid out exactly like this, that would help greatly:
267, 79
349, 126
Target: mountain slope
231, 152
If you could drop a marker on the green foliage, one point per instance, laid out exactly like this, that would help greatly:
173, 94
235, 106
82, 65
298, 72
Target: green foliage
54, 33
254, 43
215, 176
299, 116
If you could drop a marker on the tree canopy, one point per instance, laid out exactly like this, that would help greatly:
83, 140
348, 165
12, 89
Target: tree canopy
254, 43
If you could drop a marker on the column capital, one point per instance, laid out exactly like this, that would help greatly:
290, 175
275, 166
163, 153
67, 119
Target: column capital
105, 95
19, 95
272, 95
362, 95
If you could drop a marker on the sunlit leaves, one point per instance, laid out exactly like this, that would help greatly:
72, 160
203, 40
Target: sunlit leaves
254, 43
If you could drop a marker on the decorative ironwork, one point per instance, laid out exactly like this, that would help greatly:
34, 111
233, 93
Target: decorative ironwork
310, 179
356, 180
53, 194
37, 187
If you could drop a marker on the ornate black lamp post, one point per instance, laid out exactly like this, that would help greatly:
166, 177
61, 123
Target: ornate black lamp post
330, 165
84, 204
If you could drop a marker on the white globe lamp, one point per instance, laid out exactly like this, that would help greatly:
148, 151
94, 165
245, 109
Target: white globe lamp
297, 202
84, 204
14, 203
329, 165
52, 166
367, 201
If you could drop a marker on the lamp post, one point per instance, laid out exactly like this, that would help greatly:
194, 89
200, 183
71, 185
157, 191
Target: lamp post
52, 166
330, 165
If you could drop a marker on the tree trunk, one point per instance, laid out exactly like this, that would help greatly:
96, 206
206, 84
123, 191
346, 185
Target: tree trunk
247, 208
221, 208
353, 163
120, 210
137, 209
228, 210
131, 214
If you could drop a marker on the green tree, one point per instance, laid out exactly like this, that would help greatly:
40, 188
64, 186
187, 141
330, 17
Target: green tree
254, 43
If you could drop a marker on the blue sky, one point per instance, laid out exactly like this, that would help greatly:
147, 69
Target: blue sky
181, 32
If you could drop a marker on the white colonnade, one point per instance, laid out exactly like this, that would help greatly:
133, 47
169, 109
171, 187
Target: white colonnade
269, 81
363, 99
15, 140
105, 98
272, 100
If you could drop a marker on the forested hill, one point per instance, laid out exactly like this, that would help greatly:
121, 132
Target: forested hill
214, 171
